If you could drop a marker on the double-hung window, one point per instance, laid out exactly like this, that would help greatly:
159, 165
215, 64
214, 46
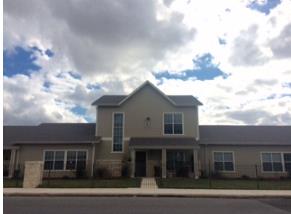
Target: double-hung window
69, 160
173, 123
272, 162
54, 160
287, 162
223, 161
118, 123
276, 161
76, 160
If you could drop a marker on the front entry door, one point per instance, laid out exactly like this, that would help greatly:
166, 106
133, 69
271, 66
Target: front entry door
140, 164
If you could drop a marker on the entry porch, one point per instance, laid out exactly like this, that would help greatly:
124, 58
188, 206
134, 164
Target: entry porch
164, 157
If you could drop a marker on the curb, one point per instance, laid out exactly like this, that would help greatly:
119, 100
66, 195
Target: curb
153, 195
146, 193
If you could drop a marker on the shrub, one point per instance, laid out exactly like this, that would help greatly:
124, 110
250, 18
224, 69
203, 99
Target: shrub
5, 172
283, 177
80, 173
102, 172
125, 171
183, 172
245, 177
17, 174
216, 174
203, 174
157, 171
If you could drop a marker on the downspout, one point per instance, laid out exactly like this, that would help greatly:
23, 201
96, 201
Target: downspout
93, 159
93, 143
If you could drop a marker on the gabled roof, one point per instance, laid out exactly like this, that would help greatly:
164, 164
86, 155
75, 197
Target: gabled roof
245, 135
185, 100
109, 100
50, 133
176, 100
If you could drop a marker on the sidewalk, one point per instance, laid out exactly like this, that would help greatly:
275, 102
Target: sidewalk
147, 192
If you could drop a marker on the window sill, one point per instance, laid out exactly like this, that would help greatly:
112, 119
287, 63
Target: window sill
60, 170
272, 172
226, 172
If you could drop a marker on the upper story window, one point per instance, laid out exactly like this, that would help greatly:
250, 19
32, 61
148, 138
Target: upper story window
173, 123
118, 123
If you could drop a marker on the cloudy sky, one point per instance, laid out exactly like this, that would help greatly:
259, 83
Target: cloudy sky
234, 56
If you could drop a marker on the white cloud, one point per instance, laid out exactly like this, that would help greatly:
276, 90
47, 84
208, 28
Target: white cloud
118, 46
96, 38
26, 102
245, 50
281, 44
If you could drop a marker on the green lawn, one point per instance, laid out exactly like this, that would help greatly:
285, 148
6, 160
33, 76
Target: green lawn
92, 183
9, 183
188, 183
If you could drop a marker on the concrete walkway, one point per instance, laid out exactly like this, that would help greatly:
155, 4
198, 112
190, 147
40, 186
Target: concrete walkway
146, 192
148, 183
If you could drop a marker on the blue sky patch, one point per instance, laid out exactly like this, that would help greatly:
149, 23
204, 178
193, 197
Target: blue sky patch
93, 86
264, 8
75, 75
204, 69
221, 41
287, 84
49, 53
20, 61
79, 110
47, 84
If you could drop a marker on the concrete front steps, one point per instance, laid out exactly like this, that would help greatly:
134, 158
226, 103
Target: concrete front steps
148, 183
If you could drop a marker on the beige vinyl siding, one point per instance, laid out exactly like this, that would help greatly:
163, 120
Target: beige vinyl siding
36, 153
245, 158
146, 103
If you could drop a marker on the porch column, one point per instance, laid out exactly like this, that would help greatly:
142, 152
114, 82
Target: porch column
195, 164
132, 159
12, 163
164, 163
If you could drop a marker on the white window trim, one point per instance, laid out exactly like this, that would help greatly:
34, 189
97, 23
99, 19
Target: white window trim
65, 159
282, 161
113, 113
77, 151
163, 122
233, 161
284, 168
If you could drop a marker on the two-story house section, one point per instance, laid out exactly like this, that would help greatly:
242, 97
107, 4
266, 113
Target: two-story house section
158, 133
149, 133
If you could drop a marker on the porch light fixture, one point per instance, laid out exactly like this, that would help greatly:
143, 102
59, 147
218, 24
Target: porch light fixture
147, 122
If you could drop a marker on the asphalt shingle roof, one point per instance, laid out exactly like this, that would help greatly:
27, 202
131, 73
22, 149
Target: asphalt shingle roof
75, 133
109, 100
245, 135
50, 133
179, 100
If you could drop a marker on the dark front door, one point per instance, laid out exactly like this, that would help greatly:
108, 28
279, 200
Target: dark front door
140, 164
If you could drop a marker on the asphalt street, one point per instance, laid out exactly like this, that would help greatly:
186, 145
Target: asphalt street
148, 205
